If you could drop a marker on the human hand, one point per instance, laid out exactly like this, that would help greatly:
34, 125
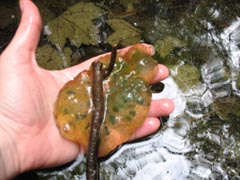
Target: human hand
29, 138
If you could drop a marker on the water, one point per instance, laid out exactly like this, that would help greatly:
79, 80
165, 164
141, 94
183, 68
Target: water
199, 41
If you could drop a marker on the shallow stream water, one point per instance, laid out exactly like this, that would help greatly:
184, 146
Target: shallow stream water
200, 42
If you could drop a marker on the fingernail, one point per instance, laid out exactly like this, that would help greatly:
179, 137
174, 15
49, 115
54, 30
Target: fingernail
153, 50
163, 71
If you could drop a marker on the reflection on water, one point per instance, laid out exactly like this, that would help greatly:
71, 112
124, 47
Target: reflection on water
196, 142
200, 42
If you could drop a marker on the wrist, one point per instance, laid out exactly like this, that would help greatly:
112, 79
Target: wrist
9, 162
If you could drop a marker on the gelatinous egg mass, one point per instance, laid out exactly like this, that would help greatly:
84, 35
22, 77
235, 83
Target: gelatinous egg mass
127, 99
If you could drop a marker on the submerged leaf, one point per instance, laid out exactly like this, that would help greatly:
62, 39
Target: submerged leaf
167, 45
238, 82
186, 76
75, 24
52, 59
227, 108
123, 31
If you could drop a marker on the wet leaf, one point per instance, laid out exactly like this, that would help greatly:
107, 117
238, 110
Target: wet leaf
123, 31
129, 4
238, 82
52, 59
167, 45
75, 24
227, 108
186, 76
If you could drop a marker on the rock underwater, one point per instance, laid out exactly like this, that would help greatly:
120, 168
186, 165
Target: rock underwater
127, 97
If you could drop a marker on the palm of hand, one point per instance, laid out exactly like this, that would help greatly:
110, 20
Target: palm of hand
30, 109
28, 94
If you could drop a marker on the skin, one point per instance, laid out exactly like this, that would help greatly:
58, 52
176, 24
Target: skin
29, 138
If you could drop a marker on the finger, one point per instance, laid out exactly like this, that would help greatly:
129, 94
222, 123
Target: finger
162, 73
150, 126
27, 35
161, 107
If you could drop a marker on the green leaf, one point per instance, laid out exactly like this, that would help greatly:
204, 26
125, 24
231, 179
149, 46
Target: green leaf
52, 59
186, 76
231, 112
123, 31
75, 24
238, 82
167, 45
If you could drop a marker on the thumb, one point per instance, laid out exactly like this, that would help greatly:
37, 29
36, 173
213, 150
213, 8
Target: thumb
26, 38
